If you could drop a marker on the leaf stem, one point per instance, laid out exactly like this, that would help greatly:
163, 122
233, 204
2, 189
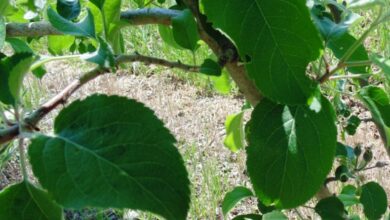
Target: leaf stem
22, 158
354, 76
44, 60
343, 61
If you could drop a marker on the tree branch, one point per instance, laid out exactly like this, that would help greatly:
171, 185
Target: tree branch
157, 61
131, 17
30, 122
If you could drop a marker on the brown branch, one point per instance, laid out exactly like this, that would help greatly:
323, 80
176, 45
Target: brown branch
227, 53
157, 61
131, 17
30, 122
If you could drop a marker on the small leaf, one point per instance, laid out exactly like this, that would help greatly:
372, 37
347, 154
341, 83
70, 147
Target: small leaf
248, 217
84, 28
234, 139
19, 46
211, 68
59, 44
222, 83
352, 125
384, 64
112, 152
291, 151
39, 72
378, 102
344, 151
103, 56
233, 197
275, 215
331, 208
374, 200
69, 9
185, 31
348, 196
166, 34
11, 78
340, 46
23, 201
2, 33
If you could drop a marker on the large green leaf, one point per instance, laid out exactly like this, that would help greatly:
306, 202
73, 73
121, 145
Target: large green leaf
277, 39
291, 151
84, 28
378, 102
69, 9
11, 77
2, 33
233, 197
23, 201
185, 31
110, 151
331, 208
374, 200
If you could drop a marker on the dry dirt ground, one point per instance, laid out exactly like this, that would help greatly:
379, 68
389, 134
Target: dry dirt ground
197, 119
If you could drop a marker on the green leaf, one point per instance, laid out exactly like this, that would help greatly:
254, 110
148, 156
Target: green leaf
233, 197
103, 56
69, 9
110, 151
222, 83
23, 201
234, 139
340, 46
166, 34
348, 196
211, 68
248, 217
374, 200
276, 38
185, 31
140, 3
11, 78
383, 63
378, 102
19, 46
274, 215
331, 208
344, 151
39, 72
352, 125
59, 44
2, 33
98, 3
84, 28
291, 151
